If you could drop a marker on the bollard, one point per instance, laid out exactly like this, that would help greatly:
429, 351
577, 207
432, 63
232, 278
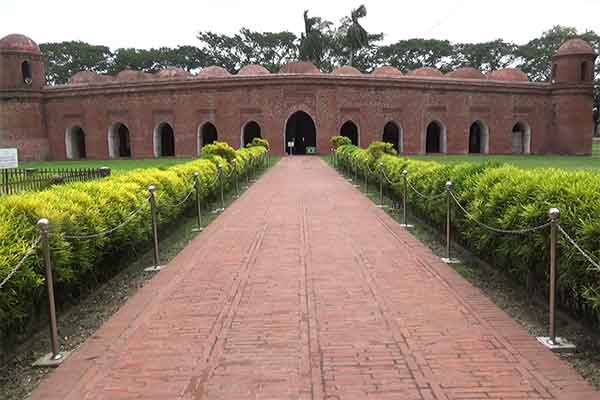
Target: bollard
552, 342
404, 197
221, 173
366, 176
355, 181
154, 214
199, 228
332, 156
381, 205
55, 358
235, 173
448, 259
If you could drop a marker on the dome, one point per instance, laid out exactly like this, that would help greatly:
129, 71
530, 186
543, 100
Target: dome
466, 73
386, 71
299, 67
172, 73
214, 72
508, 74
88, 77
426, 72
346, 70
575, 46
19, 43
253, 69
132, 75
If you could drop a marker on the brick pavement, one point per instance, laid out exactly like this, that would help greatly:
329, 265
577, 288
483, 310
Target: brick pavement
303, 289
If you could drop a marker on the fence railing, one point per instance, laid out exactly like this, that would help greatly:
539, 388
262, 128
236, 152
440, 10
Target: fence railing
40, 246
17, 180
347, 165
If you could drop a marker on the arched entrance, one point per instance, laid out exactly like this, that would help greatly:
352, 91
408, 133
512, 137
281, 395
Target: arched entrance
391, 134
207, 134
300, 129
350, 130
435, 140
118, 141
521, 138
251, 130
75, 143
478, 138
164, 140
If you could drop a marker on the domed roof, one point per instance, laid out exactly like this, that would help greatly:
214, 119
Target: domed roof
508, 74
19, 43
426, 72
299, 67
253, 69
575, 46
466, 73
214, 71
386, 71
82, 77
132, 75
346, 70
172, 72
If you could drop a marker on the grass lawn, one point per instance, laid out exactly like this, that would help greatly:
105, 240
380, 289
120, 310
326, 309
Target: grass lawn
115, 165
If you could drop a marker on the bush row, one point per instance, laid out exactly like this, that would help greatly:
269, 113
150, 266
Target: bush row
507, 197
92, 207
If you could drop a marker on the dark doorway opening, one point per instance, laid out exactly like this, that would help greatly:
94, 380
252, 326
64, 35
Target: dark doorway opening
208, 134
475, 141
124, 144
251, 131
118, 141
391, 134
76, 143
165, 140
300, 129
433, 143
350, 130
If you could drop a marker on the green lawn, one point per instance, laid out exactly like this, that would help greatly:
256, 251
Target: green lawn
115, 165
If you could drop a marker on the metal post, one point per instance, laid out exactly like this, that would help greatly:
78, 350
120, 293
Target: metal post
554, 343
381, 201
198, 204
154, 214
366, 176
404, 197
448, 259
55, 358
221, 180
235, 173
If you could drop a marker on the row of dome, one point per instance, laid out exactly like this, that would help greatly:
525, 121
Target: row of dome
298, 67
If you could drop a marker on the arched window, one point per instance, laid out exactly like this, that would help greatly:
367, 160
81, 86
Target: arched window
391, 134
164, 140
350, 130
119, 145
75, 143
583, 71
435, 138
207, 134
478, 138
26, 72
521, 138
553, 72
251, 130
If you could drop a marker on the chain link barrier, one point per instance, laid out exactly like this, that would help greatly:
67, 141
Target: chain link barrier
574, 243
32, 250
424, 196
388, 179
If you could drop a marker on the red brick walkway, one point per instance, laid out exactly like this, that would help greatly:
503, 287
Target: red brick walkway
304, 290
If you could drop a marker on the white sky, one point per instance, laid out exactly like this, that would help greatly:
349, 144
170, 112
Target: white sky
152, 23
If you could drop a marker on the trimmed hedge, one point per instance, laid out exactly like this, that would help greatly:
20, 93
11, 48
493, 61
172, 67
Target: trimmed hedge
507, 197
88, 208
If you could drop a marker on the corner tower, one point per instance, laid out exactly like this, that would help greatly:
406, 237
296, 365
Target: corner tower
572, 97
22, 78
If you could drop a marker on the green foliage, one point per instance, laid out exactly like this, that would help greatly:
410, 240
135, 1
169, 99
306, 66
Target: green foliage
338, 141
506, 197
377, 149
260, 142
221, 149
89, 208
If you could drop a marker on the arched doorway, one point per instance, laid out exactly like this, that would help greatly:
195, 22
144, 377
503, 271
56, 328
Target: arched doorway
75, 143
478, 138
251, 130
521, 138
391, 134
119, 145
300, 129
435, 140
207, 134
164, 140
350, 130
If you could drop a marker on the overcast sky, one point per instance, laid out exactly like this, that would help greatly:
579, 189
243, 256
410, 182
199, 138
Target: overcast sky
170, 23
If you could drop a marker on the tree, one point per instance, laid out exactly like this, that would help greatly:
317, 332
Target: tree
410, 54
65, 59
487, 56
354, 37
316, 41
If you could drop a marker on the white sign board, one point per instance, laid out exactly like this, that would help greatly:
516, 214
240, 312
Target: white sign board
8, 158
290, 144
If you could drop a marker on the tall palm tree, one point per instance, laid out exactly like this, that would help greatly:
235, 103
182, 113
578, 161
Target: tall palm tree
356, 36
312, 41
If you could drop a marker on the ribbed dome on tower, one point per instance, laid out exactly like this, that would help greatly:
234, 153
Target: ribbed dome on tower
575, 46
19, 43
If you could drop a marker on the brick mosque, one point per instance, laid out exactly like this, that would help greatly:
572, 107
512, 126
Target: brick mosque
174, 113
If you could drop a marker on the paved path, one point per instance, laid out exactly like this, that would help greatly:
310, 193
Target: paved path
304, 290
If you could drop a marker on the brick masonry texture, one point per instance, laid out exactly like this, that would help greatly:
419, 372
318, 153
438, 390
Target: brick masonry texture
303, 289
